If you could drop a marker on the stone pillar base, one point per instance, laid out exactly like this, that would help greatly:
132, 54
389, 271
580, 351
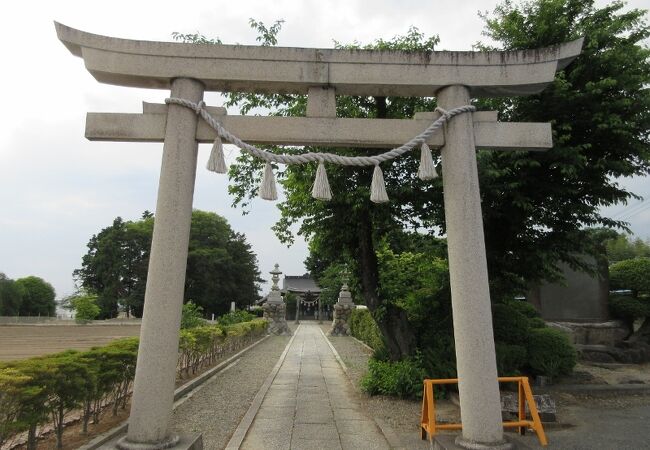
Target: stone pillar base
275, 314
174, 442
453, 442
340, 324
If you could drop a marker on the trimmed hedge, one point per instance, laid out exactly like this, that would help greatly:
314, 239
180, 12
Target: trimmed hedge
523, 345
39, 390
549, 353
364, 328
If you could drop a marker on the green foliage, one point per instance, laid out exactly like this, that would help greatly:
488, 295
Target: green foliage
39, 390
364, 328
623, 247
220, 265
511, 358
400, 378
85, 307
510, 326
535, 204
37, 297
633, 274
629, 309
15, 390
10, 296
191, 316
235, 317
550, 353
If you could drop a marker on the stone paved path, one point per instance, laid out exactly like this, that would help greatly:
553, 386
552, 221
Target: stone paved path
311, 403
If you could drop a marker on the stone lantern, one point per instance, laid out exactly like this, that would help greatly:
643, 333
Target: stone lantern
274, 308
342, 310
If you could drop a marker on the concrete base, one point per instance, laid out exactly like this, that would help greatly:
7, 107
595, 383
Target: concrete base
455, 442
184, 442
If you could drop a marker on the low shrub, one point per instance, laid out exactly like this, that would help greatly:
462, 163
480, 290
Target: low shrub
400, 378
364, 328
39, 390
510, 358
235, 317
629, 309
550, 353
510, 325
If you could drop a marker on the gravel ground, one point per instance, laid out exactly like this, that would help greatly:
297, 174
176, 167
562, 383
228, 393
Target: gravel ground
586, 422
218, 407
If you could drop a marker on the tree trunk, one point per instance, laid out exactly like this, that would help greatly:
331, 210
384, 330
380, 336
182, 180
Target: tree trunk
59, 428
31, 438
393, 323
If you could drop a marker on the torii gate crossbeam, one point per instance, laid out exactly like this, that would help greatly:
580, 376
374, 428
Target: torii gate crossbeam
190, 69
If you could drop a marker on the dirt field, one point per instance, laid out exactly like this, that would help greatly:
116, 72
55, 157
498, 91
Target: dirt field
25, 341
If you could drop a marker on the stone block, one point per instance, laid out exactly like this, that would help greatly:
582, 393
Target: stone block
545, 406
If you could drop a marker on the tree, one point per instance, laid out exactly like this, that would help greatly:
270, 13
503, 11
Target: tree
536, 205
350, 226
221, 266
37, 297
85, 307
623, 247
10, 296
633, 274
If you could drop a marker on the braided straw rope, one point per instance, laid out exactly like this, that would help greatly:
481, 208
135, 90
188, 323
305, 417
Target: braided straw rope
360, 161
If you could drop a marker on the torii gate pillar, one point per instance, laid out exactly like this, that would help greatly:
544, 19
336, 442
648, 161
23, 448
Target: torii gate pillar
153, 391
470, 293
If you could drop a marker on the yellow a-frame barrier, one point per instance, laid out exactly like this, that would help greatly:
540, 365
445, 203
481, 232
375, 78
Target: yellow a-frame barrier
429, 426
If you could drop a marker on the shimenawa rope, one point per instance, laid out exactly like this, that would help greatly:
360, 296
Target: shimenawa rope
321, 189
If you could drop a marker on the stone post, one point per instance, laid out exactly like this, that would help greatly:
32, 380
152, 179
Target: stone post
480, 405
342, 311
155, 375
297, 308
320, 310
275, 309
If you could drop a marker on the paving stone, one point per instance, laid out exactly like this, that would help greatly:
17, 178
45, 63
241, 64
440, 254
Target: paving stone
363, 442
311, 431
311, 404
308, 444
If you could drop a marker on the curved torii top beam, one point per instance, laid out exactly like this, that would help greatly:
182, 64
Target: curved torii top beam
149, 64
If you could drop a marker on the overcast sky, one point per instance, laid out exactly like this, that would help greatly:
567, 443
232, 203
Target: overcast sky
58, 189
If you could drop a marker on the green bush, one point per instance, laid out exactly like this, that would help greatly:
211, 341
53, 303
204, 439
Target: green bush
192, 316
633, 274
235, 317
510, 326
85, 307
510, 358
401, 378
629, 309
37, 390
364, 328
550, 353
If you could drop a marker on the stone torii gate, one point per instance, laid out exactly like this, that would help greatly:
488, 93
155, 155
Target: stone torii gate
190, 69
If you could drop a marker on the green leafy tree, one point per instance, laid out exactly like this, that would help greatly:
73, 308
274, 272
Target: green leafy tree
633, 274
37, 297
536, 205
10, 296
85, 307
191, 316
221, 266
623, 247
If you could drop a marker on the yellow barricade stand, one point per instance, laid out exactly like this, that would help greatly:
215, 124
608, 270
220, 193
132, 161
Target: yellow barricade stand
429, 426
